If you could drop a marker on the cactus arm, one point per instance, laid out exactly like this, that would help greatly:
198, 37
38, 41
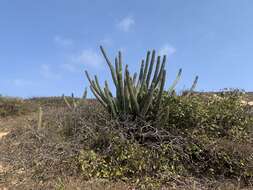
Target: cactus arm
143, 82
161, 69
126, 98
85, 93
100, 91
88, 77
111, 96
121, 83
194, 84
67, 102
126, 92
104, 104
148, 100
134, 78
175, 82
110, 101
135, 87
110, 66
150, 68
155, 79
146, 65
95, 87
159, 98
117, 73
93, 84
133, 98
119, 94
141, 73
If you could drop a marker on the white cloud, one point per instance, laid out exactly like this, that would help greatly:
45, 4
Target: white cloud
21, 82
65, 42
71, 67
126, 23
88, 57
106, 41
168, 50
85, 58
46, 72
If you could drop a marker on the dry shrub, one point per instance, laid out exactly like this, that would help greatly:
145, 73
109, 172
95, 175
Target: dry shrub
195, 140
15, 107
183, 152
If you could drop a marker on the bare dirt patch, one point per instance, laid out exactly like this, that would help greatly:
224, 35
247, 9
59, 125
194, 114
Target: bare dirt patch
2, 134
9, 128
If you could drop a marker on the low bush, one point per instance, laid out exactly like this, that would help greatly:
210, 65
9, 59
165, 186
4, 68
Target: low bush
15, 106
199, 135
180, 148
216, 115
49, 101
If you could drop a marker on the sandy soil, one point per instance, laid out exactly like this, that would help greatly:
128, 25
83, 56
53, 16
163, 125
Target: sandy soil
6, 126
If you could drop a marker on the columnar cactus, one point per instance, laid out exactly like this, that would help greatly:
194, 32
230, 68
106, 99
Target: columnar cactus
134, 93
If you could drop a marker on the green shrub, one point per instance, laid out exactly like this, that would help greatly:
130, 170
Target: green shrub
114, 158
202, 135
218, 115
128, 160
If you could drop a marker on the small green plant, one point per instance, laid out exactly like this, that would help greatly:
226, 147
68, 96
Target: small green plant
136, 93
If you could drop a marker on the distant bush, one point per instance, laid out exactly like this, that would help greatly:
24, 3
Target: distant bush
49, 101
64, 101
14, 106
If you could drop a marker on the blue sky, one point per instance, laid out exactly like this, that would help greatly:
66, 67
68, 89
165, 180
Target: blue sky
45, 45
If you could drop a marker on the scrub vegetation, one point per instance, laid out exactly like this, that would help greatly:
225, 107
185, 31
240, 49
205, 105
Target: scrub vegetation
142, 136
